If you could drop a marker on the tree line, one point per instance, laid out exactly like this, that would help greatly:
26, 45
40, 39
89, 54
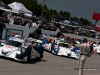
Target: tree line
37, 9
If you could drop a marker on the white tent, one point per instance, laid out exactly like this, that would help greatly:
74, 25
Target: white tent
19, 8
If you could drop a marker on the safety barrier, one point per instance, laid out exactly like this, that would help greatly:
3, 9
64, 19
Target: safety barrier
24, 31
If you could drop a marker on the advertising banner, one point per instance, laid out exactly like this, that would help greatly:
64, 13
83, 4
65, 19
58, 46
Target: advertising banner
12, 32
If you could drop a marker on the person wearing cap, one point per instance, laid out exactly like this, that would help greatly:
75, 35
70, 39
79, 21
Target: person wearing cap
84, 50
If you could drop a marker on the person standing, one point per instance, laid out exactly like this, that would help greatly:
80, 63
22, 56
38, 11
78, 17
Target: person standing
84, 51
59, 34
2, 27
91, 48
38, 31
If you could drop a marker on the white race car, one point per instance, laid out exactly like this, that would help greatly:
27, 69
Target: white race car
96, 48
17, 49
61, 48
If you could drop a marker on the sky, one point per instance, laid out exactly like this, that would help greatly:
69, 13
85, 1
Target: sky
80, 8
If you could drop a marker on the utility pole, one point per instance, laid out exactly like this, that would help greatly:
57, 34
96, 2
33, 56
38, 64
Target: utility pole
43, 8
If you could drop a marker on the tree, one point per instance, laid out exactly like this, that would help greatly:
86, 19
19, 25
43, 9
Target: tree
86, 22
66, 14
36, 8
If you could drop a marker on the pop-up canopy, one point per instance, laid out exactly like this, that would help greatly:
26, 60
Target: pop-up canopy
19, 8
4, 6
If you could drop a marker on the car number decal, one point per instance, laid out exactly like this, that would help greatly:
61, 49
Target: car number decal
56, 46
8, 46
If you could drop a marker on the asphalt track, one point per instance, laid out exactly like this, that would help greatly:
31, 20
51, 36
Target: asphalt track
49, 65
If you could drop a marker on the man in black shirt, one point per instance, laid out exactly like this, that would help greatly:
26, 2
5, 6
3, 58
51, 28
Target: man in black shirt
38, 31
59, 34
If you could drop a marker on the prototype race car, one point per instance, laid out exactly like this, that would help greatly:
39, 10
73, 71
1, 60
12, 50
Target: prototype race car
17, 49
96, 48
59, 47
63, 49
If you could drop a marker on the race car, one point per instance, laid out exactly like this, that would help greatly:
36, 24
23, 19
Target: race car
96, 48
60, 47
17, 49
63, 49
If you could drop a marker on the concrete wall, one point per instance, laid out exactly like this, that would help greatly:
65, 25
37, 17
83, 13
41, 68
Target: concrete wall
26, 31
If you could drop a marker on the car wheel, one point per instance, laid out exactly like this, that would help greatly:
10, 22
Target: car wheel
27, 58
69, 55
39, 58
24, 60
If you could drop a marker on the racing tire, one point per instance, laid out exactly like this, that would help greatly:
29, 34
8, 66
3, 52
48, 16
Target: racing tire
24, 60
69, 55
39, 58
27, 58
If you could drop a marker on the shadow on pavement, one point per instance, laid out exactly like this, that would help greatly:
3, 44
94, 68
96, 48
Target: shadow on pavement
34, 61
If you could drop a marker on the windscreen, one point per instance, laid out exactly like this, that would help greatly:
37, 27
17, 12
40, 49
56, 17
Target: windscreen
13, 43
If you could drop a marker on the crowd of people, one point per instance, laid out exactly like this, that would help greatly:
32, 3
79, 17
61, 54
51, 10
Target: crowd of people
15, 19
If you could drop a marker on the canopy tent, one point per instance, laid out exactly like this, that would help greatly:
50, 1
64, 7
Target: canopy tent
4, 6
19, 8
64, 22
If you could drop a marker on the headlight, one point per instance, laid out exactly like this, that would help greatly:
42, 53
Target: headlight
18, 52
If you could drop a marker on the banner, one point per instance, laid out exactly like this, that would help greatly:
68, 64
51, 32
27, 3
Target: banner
12, 32
96, 16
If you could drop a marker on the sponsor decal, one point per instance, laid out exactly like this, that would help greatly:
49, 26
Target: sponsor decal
7, 48
16, 39
56, 46
13, 32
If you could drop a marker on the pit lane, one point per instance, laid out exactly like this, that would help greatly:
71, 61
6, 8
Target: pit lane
49, 65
